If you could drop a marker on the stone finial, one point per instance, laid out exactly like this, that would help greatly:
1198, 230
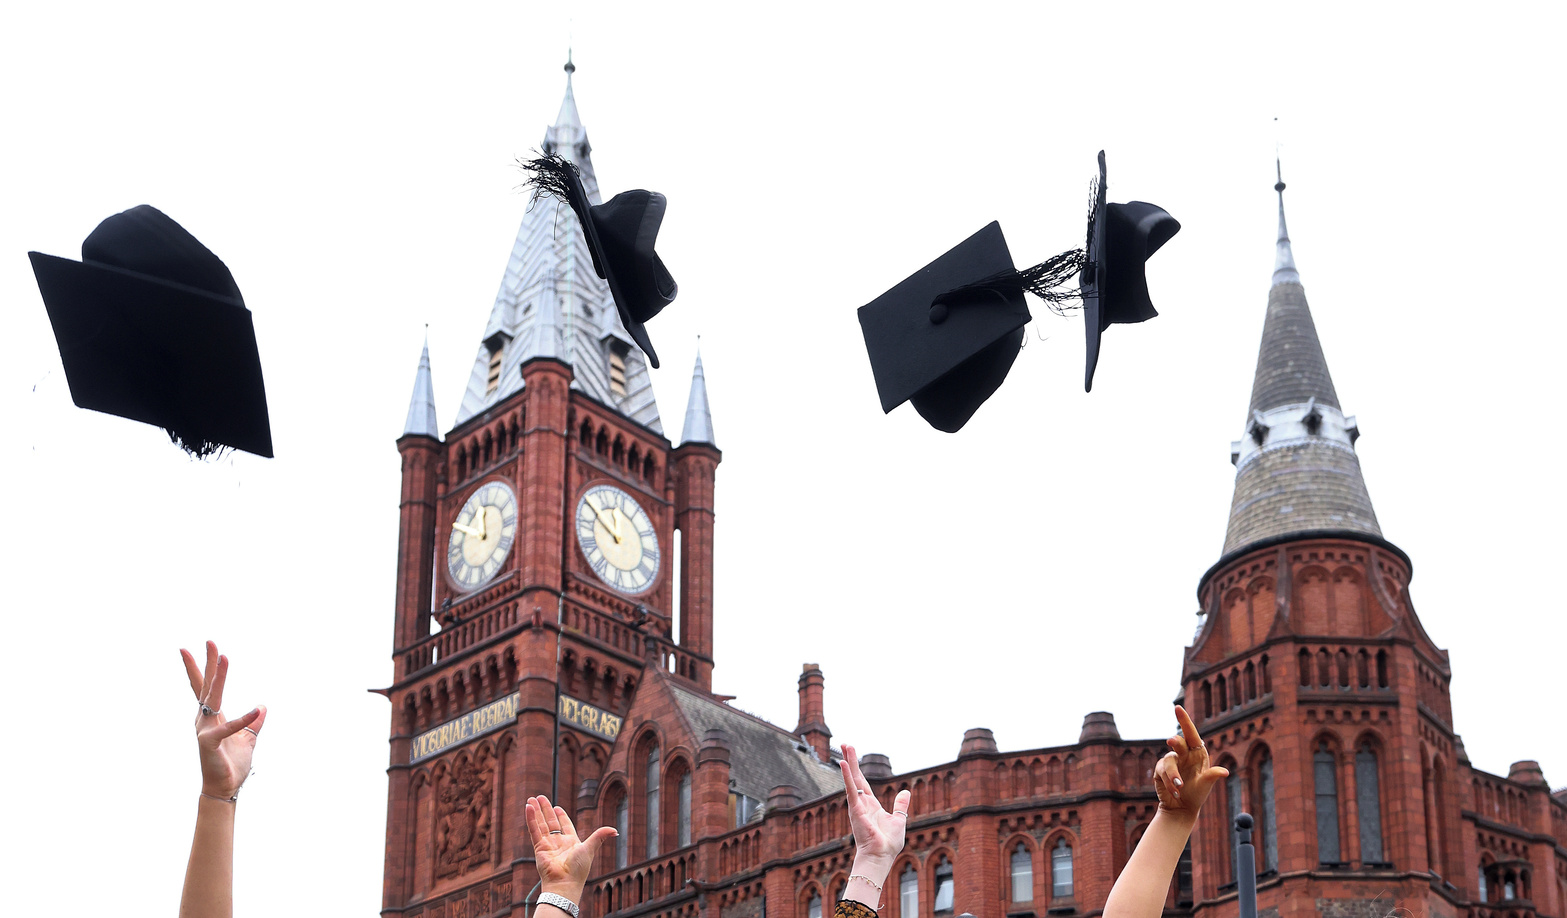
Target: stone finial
588, 794
783, 797
1099, 727
876, 766
715, 747
977, 740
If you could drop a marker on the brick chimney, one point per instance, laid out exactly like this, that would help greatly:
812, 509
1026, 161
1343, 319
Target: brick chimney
813, 723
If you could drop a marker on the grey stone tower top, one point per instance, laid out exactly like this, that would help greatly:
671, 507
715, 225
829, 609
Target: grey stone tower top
1296, 468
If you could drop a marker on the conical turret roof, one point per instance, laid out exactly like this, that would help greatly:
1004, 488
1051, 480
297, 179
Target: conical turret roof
421, 406
699, 417
1296, 468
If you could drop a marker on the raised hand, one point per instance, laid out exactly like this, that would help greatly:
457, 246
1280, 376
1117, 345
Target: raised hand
563, 860
226, 746
878, 834
1183, 779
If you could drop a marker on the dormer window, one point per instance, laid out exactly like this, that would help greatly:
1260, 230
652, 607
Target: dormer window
493, 381
617, 370
496, 344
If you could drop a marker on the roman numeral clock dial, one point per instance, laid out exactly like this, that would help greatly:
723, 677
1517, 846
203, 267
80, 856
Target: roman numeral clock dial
617, 539
482, 535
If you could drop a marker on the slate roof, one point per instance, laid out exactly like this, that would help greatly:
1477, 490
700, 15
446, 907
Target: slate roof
1296, 471
552, 303
1290, 364
1304, 486
761, 755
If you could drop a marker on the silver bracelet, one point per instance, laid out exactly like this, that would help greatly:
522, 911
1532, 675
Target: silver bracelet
560, 902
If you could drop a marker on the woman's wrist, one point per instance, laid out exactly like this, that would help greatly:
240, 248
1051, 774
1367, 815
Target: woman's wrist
572, 891
873, 867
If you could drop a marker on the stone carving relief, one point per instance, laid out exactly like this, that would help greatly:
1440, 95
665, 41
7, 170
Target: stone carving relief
463, 819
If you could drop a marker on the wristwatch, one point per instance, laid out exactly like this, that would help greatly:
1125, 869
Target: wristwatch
560, 902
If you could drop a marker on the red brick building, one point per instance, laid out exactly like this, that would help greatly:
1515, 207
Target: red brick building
550, 635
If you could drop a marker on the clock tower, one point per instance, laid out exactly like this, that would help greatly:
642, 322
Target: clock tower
538, 578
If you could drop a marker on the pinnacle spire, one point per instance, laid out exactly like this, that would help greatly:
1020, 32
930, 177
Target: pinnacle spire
1284, 261
421, 407
1296, 468
551, 303
699, 417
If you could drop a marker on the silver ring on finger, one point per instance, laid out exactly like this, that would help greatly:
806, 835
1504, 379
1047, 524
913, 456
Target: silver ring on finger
208, 712
557, 832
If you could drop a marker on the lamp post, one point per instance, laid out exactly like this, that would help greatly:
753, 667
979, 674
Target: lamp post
1245, 867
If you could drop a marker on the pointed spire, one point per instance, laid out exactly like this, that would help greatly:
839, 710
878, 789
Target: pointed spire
699, 418
1284, 262
1296, 468
567, 136
548, 338
421, 407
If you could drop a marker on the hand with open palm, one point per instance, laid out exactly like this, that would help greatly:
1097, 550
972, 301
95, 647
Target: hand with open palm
562, 859
878, 834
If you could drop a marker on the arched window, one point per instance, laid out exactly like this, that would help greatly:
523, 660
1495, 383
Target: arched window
909, 892
622, 826
652, 801
1061, 870
685, 810
1368, 801
1022, 874
1324, 769
1480, 883
1509, 887
1270, 828
814, 909
943, 903
837, 890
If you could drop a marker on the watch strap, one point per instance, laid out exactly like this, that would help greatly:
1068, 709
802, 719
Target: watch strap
560, 902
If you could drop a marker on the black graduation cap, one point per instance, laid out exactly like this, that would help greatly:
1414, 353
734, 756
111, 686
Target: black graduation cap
621, 233
946, 337
152, 327
942, 340
1113, 283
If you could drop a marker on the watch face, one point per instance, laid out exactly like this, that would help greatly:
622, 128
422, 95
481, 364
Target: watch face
482, 535
617, 538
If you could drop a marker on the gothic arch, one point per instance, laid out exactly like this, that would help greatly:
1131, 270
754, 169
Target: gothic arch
1311, 600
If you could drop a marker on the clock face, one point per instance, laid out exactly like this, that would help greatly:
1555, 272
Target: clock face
617, 538
482, 535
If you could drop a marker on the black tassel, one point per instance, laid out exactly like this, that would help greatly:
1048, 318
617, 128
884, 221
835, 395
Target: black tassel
1047, 280
197, 447
549, 177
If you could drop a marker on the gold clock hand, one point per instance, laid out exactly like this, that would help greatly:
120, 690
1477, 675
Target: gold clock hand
613, 530
481, 516
468, 529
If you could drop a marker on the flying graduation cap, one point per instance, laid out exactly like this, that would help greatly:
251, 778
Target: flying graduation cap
621, 234
945, 338
152, 327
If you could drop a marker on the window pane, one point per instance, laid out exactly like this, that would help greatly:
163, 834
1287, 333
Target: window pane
1270, 830
685, 809
815, 909
1368, 800
1482, 884
908, 893
1061, 871
652, 802
622, 826
1022, 875
1327, 807
1232, 797
943, 887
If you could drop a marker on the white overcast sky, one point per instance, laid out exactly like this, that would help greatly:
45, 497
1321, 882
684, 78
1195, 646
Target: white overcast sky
353, 165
